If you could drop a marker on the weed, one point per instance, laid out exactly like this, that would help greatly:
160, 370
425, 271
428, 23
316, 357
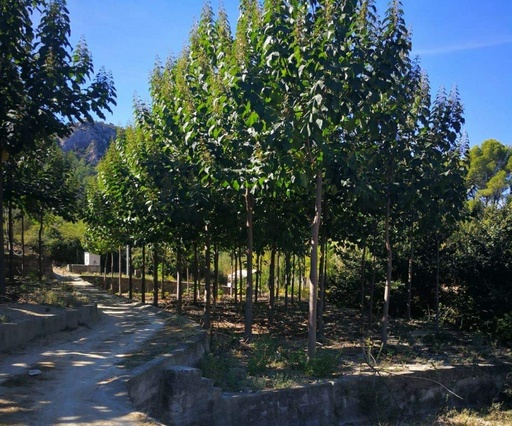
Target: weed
224, 373
264, 351
325, 364
494, 415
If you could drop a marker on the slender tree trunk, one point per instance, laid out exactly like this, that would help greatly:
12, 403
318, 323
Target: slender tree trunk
235, 272
143, 281
179, 289
372, 290
40, 236
130, 273
215, 273
249, 200
409, 277
162, 280
155, 275
241, 276
256, 287
196, 273
278, 274
11, 245
437, 282
363, 279
231, 259
271, 284
260, 276
389, 269
294, 260
313, 277
105, 272
301, 278
22, 244
120, 270
287, 284
207, 310
321, 285
112, 272
3, 155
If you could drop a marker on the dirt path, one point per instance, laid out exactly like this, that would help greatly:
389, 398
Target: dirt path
80, 383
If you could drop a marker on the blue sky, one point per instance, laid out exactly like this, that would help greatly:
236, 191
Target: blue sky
467, 43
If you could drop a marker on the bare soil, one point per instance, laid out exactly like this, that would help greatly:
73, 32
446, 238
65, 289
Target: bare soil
348, 344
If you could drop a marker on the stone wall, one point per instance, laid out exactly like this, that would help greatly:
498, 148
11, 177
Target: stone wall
169, 286
13, 334
145, 385
189, 399
80, 269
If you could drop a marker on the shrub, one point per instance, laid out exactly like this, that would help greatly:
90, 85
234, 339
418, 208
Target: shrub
504, 328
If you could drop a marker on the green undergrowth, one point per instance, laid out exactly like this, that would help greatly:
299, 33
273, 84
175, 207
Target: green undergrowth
265, 363
49, 292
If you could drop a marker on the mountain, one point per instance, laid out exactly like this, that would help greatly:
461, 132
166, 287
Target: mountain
89, 141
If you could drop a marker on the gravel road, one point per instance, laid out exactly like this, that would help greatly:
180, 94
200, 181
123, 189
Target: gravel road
80, 382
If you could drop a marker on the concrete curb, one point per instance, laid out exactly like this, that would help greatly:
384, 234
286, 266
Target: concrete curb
21, 332
145, 386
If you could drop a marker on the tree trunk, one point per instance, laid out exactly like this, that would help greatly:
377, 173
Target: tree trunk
437, 283
112, 272
389, 269
278, 274
196, 273
179, 290
294, 260
215, 273
301, 278
11, 245
3, 154
363, 279
155, 275
22, 244
120, 270
249, 200
372, 290
207, 309
287, 269
235, 275
130, 274
143, 281
162, 280
105, 272
313, 277
40, 236
240, 276
409, 277
271, 281
321, 285
256, 287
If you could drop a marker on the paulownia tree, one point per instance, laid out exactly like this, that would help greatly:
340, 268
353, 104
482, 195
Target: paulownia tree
44, 84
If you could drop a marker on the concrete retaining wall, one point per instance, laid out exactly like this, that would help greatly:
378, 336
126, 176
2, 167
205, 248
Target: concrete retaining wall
145, 387
80, 269
169, 286
189, 399
57, 319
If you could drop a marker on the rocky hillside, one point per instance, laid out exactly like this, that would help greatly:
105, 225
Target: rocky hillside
90, 141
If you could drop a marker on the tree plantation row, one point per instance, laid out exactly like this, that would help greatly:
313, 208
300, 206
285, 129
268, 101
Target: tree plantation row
310, 125
305, 143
